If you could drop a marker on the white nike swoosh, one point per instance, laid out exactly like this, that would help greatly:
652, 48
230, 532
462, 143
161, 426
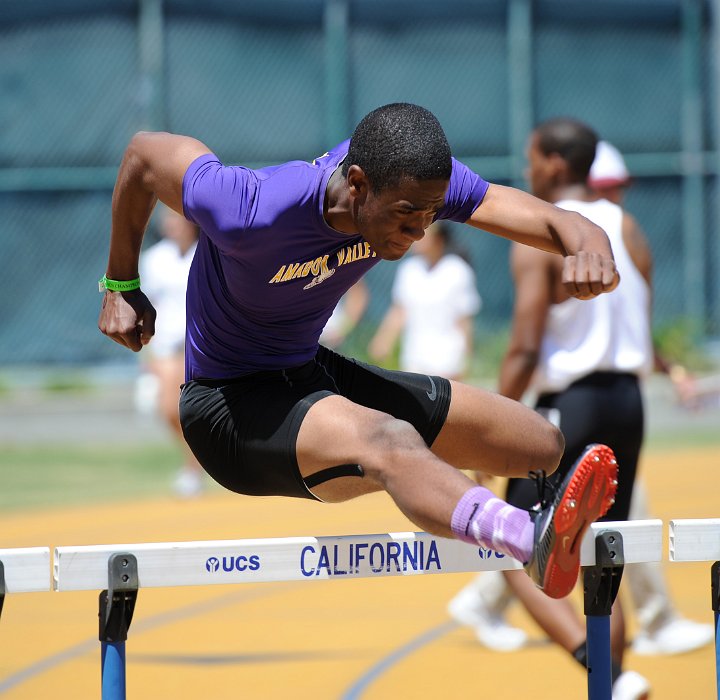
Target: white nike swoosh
432, 394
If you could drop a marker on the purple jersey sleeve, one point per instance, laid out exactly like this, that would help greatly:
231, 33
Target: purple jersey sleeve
465, 193
219, 199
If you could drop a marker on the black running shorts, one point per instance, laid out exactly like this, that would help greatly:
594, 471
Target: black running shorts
243, 431
603, 407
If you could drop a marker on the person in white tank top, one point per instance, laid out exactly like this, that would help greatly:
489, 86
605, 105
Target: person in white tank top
612, 336
591, 353
609, 333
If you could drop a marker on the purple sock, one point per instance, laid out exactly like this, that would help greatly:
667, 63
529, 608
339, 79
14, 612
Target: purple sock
482, 518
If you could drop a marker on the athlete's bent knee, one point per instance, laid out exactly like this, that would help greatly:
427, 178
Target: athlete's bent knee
390, 443
553, 446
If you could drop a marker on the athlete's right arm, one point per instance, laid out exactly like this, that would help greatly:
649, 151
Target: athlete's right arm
152, 168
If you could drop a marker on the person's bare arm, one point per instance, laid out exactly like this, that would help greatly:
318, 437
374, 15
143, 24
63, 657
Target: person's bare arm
387, 334
356, 302
352, 309
589, 265
532, 272
466, 324
152, 168
638, 247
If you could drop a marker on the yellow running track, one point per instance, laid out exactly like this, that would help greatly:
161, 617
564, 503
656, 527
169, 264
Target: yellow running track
365, 639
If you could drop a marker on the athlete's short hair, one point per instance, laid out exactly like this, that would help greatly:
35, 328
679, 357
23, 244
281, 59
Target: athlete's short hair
399, 141
573, 140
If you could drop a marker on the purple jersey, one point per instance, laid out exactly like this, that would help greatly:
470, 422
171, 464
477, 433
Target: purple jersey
268, 270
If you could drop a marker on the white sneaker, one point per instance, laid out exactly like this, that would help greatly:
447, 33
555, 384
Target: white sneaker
188, 483
491, 628
676, 636
630, 685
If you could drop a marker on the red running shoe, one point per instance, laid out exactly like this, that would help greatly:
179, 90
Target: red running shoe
586, 494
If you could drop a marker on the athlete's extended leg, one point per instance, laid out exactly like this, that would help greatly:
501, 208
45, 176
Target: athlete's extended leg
444, 501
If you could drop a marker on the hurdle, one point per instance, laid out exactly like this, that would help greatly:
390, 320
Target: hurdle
24, 570
699, 540
121, 570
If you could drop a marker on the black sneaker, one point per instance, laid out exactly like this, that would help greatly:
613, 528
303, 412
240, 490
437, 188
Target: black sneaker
586, 494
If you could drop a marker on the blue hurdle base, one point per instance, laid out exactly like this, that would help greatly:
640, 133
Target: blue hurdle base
599, 658
113, 670
116, 607
715, 593
601, 583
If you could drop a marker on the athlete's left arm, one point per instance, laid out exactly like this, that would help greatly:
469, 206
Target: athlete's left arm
589, 265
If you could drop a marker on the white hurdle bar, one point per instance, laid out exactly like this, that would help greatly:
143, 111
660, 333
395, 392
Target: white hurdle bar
123, 569
695, 539
26, 569
316, 558
699, 540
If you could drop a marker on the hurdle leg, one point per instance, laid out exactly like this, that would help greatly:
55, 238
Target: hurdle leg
2, 586
116, 607
112, 673
600, 584
715, 590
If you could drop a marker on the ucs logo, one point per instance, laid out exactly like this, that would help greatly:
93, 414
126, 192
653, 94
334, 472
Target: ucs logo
240, 563
485, 553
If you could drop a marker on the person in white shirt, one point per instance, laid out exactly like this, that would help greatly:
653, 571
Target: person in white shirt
164, 269
483, 603
434, 302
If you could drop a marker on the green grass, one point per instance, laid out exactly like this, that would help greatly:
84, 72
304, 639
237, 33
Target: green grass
688, 438
65, 475
38, 476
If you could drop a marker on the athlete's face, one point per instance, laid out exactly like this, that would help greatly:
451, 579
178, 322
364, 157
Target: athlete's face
393, 219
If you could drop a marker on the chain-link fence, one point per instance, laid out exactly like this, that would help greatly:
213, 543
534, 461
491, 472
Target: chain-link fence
271, 80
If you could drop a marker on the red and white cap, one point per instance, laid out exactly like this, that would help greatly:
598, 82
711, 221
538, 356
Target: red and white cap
608, 168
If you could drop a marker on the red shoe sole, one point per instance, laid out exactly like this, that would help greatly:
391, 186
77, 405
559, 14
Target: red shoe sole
588, 496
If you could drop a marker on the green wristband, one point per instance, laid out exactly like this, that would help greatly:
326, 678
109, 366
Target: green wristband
118, 285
